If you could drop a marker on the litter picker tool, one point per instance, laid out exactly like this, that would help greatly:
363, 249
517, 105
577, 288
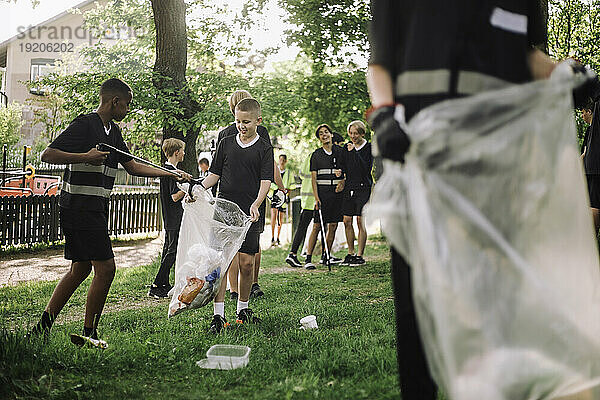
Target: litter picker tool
107, 147
325, 247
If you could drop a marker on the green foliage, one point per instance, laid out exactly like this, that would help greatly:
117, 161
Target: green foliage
10, 123
573, 30
329, 32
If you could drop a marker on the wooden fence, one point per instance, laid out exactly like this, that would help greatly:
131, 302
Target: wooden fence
34, 219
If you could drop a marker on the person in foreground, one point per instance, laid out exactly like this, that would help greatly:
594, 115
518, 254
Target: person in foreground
483, 52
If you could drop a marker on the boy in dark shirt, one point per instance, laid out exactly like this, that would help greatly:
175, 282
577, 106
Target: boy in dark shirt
357, 190
232, 130
88, 181
327, 170
244, 166
172, 212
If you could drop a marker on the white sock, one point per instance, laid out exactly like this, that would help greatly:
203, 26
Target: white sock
241, 305
219, 309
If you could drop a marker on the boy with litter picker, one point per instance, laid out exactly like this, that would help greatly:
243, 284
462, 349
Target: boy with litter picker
88, 181
327, 171
243, 165
172, 212
231, 130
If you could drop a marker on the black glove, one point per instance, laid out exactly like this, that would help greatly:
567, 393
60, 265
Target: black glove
589, 90
391, 140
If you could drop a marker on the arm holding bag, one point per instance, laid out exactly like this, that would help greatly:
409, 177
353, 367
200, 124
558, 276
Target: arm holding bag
491, 212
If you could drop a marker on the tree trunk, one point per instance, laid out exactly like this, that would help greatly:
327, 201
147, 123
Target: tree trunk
169, 78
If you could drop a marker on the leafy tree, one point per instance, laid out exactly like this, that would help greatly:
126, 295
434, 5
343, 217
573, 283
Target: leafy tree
573, 32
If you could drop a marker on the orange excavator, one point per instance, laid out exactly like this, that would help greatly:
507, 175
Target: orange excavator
25, 182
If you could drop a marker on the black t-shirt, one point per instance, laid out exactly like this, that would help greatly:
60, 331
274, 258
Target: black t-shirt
439, 49
591, 160
359, 164
172, 211
241, 167
325, 164
86, 188
231, 130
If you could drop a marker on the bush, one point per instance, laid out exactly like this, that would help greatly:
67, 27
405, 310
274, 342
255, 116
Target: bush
10, 123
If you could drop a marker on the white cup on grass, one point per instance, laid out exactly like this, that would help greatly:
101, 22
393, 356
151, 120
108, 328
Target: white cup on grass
309, 322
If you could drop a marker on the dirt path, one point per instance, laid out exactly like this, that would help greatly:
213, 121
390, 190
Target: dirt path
48, 265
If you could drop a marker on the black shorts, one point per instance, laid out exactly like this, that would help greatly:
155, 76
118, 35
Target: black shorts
331, 208
355, 200
87, 245
251, 243
593, 183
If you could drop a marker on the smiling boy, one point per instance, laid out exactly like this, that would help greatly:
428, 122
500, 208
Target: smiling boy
244, 166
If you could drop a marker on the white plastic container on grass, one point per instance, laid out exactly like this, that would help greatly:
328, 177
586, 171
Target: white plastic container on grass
225, 356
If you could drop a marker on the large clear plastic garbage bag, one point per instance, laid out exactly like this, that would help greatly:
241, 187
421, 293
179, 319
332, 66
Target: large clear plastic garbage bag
212, 231
491, 212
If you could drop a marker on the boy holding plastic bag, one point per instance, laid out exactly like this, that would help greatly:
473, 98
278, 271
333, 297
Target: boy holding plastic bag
244, 165
491, 295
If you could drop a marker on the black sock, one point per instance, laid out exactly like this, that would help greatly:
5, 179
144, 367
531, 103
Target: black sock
45, 322
90, 332
308, 258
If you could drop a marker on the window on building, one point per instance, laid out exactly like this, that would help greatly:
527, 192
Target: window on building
40, 67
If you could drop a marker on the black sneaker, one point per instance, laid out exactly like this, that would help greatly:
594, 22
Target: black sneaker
273, 242
348, 259
233, 296
293, 261
246, 316
332, 260
217, 324
159, 292
278, 242
358, 260
256, 291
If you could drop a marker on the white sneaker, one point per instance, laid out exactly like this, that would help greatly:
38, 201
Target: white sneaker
310, 265
79, 340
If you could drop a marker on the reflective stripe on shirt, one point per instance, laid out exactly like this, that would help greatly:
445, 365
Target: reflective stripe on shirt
328, 182
86, 190
102, 169
325, 171
438, 81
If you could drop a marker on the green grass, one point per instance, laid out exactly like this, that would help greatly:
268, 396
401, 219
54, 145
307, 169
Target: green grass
351, 355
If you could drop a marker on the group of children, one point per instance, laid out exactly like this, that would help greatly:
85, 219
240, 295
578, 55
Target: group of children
336, 185
244, 169
336, 180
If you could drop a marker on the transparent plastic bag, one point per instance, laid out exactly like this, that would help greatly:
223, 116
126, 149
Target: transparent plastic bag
212, 231
491, 212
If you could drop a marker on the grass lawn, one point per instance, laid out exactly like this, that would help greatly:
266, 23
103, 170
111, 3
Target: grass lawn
351, 355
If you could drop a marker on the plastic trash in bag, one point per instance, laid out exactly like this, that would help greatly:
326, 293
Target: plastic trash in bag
212, 231
491, 212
